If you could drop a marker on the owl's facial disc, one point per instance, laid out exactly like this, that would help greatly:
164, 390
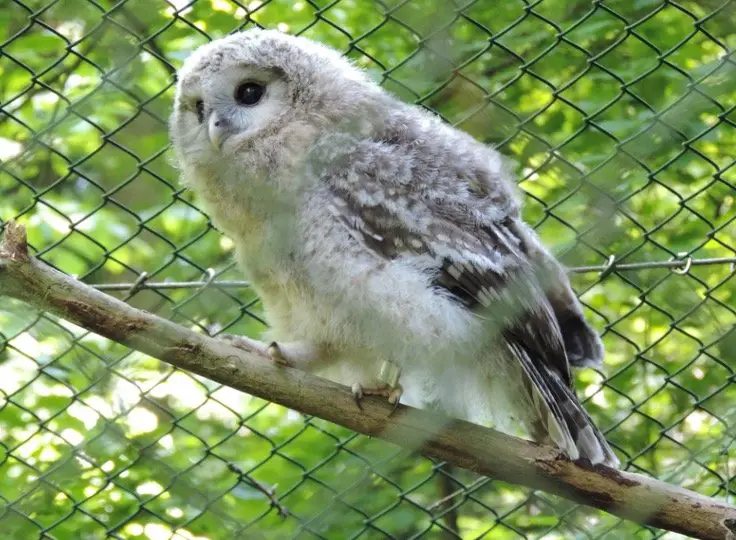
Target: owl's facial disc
226, 101
219, 127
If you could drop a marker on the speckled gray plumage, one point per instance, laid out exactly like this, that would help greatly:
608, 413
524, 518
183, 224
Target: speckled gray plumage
374, 231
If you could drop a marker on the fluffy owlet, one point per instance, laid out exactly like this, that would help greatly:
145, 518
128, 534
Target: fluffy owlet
377, 235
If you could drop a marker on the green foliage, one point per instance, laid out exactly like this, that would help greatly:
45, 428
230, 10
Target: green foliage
618, 119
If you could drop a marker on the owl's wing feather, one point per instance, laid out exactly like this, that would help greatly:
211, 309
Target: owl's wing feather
488, 266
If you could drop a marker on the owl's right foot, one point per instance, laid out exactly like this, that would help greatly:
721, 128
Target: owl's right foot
245, 343
294, 354
277, 356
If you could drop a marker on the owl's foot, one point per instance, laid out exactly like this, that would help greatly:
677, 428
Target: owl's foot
246, 343
296, 354
277, 355
391, 393
389, 387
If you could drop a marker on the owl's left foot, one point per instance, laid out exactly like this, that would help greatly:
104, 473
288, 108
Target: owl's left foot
391, 393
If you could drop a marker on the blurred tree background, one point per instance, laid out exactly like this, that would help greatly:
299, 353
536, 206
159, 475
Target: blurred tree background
618, 119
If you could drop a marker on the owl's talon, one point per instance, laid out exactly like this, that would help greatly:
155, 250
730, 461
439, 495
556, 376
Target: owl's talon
272, 351
357, 391
393, 395
277, 356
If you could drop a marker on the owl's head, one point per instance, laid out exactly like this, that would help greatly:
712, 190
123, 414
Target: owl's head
259, 96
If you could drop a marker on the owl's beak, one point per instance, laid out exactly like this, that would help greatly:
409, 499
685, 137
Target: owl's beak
217, 129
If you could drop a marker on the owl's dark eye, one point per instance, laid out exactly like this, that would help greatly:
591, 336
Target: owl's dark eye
199, 106
249, 93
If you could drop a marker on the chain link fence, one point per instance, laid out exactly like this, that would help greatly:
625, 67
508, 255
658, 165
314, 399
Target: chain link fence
619, 118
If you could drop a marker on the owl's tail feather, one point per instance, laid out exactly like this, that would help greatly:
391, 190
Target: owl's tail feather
559, 418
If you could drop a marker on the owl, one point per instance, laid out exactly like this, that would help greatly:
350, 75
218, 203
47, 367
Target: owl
386, 246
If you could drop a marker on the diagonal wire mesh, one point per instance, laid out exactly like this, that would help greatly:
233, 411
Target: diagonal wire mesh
619, 118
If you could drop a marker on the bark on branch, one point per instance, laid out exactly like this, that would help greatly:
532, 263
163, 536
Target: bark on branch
628, 495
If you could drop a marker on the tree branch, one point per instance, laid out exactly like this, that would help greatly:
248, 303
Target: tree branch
632, 496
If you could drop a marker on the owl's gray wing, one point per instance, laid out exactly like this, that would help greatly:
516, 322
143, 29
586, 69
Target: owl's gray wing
495, 268
485, 266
